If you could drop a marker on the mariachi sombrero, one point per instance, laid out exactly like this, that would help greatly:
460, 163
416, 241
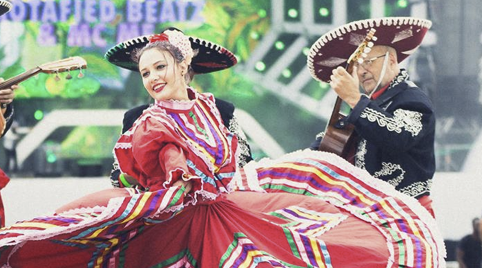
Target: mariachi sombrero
5, 6
333, 49
210, 57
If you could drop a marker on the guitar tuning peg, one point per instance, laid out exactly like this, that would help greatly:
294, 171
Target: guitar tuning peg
359, 60
374, 38
80, 73
367, 50
57, 77
69, 76
364, 55
370, 44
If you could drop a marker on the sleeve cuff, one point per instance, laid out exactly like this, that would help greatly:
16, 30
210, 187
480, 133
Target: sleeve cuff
358, 109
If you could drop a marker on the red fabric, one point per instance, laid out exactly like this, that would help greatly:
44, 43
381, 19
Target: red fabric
156, 152
208, 229
426, 202
362, 254
159, 37
4, 179
379, 92
311, 214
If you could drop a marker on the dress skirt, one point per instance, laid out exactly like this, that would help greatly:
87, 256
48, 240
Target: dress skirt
306, 209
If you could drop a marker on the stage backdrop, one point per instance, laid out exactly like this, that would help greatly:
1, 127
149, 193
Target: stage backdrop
280, 106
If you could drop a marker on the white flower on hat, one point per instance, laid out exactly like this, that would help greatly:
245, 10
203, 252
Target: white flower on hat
181, 41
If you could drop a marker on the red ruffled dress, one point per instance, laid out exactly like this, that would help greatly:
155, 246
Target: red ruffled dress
306, 209
4, 179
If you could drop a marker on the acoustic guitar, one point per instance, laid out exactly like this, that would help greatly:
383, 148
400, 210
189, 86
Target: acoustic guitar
339, 136
55, 67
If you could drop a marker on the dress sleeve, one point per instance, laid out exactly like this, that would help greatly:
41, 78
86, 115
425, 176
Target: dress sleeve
160, 155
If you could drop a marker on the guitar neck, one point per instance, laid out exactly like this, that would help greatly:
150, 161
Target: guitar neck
335, 114
17, 79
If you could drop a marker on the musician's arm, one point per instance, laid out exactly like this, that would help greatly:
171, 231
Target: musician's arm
346, 85
400, 127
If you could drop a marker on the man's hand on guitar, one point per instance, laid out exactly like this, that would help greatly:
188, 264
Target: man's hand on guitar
346, 85
7, 94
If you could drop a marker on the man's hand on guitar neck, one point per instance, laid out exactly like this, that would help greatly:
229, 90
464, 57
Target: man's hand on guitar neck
6, 95
346, 85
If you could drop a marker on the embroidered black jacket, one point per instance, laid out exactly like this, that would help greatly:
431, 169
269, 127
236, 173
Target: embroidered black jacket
396, 135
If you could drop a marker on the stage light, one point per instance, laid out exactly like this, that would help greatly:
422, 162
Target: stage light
38, 115
324, 86
262, 13
293, 13
286, 73
51, 157
291, 10
279, 45
402, 3
254, 35
324, 12
397, 8
260, 66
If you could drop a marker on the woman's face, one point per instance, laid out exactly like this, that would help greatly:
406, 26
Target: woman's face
161, 76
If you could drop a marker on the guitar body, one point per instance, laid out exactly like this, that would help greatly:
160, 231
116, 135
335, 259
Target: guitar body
339, 137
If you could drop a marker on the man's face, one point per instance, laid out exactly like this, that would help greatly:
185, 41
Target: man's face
369, 71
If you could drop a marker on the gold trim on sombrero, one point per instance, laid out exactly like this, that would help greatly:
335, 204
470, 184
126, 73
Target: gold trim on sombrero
404, 34
5, 6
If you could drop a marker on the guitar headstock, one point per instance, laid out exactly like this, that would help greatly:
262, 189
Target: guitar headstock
362, 50
64, 65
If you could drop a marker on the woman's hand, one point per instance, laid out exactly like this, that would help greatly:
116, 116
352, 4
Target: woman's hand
187, 185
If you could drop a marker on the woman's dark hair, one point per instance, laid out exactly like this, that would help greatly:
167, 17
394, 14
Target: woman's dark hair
160, 45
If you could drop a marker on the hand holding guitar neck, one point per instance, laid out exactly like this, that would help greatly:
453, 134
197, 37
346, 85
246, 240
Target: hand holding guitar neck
56, 67
339, 135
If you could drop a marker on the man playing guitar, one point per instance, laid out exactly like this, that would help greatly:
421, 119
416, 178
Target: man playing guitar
393, 119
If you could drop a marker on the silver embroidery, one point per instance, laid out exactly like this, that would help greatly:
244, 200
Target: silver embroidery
401, 77
235, 128
417, 188
389, 169
403, 120
360, 154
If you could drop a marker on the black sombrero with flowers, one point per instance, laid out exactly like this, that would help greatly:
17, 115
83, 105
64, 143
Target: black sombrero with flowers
5, 6
211, 57
333, 49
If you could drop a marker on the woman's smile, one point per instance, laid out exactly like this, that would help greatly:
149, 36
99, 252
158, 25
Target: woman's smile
158, 87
